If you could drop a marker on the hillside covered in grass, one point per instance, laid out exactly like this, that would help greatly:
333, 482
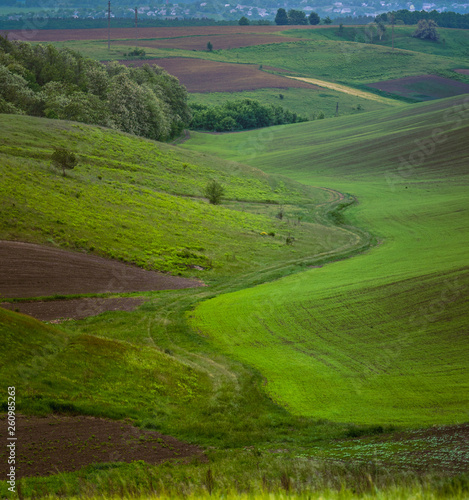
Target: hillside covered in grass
143, 202
379, 337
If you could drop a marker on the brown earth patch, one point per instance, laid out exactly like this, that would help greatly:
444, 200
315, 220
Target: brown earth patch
199, 75
129, 33
28, 270
61, 310
423, 88
199, 42
462, 71
56, 443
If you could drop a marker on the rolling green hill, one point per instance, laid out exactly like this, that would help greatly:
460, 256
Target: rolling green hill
142, 202
84, 374
452, 43
379, 337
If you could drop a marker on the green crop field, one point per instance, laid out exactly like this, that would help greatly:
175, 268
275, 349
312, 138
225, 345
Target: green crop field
327, 355
452, 43
156, 194
309, 103
345, 62
380, 337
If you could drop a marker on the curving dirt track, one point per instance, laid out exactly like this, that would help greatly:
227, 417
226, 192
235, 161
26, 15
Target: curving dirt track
60, 443
345, 89
200, 75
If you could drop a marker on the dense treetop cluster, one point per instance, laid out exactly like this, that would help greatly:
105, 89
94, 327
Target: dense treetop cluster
240, 115
42, 80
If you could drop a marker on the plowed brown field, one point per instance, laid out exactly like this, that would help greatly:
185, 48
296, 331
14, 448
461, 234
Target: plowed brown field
129, 33
28, 270
199, 75
423, 88
60, 443
58, 311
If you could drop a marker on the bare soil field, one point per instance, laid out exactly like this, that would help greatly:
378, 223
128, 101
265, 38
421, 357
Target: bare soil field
423, 88
58, 443
462, 71
129, 33
219, 41
199, 75
57, 311
28, 270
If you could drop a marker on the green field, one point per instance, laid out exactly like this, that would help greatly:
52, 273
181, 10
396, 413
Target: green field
327, 355
343, 62
452, 43
155, 191
305, 102
378, 338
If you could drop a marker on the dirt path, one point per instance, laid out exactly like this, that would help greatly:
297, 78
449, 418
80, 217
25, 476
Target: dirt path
347, 90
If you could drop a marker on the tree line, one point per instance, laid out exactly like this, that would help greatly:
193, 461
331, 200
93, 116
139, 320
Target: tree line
42, 80
298, 17
403, 16
240, 115
442, 19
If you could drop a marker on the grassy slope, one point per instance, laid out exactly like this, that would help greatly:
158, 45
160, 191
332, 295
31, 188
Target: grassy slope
141, 201
344, 62
378, 338
454, 45
56, 371
305, 102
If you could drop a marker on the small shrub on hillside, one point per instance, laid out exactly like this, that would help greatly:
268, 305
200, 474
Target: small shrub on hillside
426, 30
137, 52
64, 159
214, 191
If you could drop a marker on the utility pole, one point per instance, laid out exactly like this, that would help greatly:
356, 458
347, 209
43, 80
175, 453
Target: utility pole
136, 27
392, 24
109, 25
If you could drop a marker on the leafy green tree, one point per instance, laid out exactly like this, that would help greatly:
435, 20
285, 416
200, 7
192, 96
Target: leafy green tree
64, 159
281, 17
214, 191
15, 95
209, 46
314, 19
426, 30
380, 29
296, 17
226, 124
244, 21
327, 20
60, 83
